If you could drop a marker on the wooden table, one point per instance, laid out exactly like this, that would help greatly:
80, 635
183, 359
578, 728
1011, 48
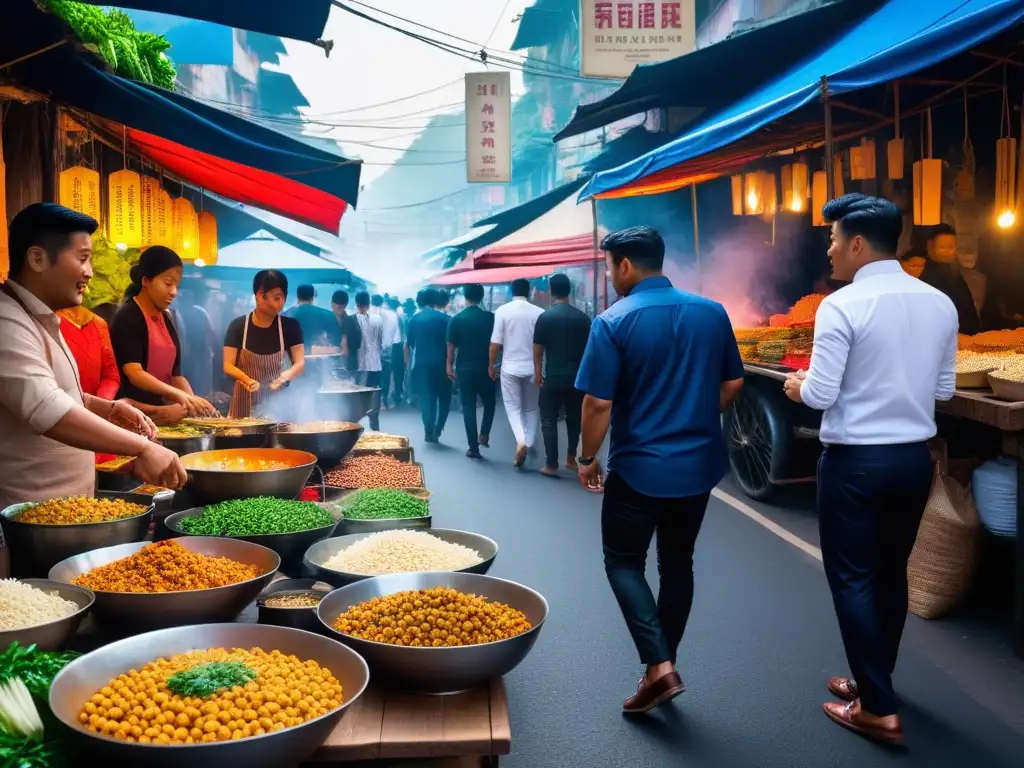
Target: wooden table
471, 728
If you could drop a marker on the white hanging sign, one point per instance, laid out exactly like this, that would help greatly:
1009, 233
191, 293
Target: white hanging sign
616, 35
489, 127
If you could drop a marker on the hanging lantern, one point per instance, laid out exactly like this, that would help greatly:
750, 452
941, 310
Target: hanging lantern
80, 190
186, 224
5, 256
770, 195
927, 192
819, 196
1006, 183
794, 187
124, 208
894, 151
753, 193
207, 240
162, 219
148, 197
737, 195
837, 176
862, 160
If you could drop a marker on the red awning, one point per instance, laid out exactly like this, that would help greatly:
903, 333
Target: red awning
269, 191
490, 276
563, 252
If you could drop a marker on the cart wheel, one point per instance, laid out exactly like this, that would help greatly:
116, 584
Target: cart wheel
757, 442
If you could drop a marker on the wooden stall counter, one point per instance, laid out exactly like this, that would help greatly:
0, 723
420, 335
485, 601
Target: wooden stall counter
465, 730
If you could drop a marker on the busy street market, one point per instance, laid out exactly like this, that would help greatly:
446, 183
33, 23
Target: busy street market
530, 383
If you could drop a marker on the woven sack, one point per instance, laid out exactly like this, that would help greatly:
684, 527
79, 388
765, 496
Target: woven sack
942, 563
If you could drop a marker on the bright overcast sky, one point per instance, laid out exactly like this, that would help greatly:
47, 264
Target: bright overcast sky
371, 64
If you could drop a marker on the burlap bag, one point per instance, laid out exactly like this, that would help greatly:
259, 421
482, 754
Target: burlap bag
942, 564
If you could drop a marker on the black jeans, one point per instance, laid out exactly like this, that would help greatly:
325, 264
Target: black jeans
870, 502
628, 521
372, 379
397, 373
473, 385
434, 389
559, 392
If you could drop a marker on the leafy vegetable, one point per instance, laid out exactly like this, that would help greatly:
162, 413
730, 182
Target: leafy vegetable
204, 680
35, 668
384, 504
259, 516
110, 269
19, 752
18, 713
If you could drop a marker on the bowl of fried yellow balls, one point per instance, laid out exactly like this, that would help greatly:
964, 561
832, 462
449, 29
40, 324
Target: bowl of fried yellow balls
247, 695
436, 632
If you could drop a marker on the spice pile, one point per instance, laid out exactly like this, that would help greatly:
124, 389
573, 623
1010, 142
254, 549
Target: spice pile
166, 566
436, 617
260, 516
384, 504
294, 600
22, 605
381, 440
402, 552
375, 471
212, 695
79, 509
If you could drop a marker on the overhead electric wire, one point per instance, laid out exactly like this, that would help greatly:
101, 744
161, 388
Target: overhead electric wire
417, 205
497, 21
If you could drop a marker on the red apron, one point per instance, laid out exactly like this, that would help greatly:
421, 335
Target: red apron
261, 368
162, 352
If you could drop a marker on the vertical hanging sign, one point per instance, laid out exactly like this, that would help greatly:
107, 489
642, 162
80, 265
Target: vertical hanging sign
616, 35
488, 127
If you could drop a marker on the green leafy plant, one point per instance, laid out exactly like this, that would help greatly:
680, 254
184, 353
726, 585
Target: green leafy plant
112, 34
110, 272
205, 680
34, 667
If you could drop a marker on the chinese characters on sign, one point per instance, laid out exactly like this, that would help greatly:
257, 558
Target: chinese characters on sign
488, 127
616, 35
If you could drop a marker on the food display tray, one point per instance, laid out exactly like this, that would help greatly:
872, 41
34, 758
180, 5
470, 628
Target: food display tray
405, 455
422, 487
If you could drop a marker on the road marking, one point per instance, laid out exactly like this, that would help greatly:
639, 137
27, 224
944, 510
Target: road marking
760, 519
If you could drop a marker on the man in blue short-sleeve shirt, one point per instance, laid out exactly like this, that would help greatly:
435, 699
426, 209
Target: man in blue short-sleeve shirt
660, 367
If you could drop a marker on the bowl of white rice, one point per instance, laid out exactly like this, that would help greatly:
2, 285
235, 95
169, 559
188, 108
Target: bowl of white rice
347, 559
41, 612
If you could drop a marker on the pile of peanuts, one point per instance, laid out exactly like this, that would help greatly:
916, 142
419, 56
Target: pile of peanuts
375, 471
79, 509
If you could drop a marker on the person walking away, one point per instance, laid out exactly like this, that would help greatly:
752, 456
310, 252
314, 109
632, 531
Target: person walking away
392, 336
427, 353
146, 342
469, 338
884, 352
512, 338
667, 451
321, 333
371, 329
398, 352
257, 345
51, 427
559, 340
351, 336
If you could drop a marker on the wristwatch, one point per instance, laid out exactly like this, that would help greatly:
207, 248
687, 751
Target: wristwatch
585, 461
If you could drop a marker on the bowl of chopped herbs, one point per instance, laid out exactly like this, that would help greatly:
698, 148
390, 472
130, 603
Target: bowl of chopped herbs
383, 509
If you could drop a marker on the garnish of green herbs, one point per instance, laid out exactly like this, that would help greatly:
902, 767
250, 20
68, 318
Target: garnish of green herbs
205, 680
35, 668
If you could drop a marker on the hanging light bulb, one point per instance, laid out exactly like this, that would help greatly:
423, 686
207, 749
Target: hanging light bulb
1006, 219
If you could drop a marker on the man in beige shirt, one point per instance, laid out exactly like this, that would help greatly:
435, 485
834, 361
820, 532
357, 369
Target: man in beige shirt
50, 428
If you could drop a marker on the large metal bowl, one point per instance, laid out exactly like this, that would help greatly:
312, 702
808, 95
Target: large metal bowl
35, 549
345, 404
349, 526
130, 613
289, 546
322, 551
185, 444
53, 635
329, 447
208, 485
82, 678
438, 670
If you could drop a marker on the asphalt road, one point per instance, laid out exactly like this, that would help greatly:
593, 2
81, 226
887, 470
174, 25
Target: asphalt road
761, 642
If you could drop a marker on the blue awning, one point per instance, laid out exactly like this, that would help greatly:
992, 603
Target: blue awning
713, 77
900, 38
296, 19
543, 23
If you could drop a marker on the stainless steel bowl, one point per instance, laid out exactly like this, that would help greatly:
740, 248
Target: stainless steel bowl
299, 618
322, 551
53, 635
438, 670
184, 445
82, 678
329, 447
129, 613
213, 485
289, 546
349, 527
35, 549
345, 404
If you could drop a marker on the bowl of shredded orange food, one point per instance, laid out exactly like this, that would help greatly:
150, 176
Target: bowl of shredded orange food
244, 473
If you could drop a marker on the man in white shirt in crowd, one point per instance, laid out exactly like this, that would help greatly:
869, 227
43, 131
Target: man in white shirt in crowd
512, 338
884, 352
390, 337
371, 328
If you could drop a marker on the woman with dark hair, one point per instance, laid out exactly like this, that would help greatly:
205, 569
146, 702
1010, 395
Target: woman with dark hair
146, 343
256, 345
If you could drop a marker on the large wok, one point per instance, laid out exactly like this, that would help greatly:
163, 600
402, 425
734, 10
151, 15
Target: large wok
329, 446
208, 484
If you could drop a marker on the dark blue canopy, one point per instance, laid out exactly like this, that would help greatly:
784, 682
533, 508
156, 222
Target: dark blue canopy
297, 19
900, 38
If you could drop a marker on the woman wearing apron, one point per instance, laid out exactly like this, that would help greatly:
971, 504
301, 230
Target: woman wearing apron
146, 342
257, 344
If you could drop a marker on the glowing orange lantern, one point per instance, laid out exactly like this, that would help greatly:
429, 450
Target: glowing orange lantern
186, 230
80, 190
150, 193
207, 240
125, 208
162, 215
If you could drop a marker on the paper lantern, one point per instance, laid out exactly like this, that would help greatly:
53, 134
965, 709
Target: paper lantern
737, 195
207, 240
162, 219
819, 196
124, 208
1006, 183
5, 256
770, 195
186, 230
753, 193
837, 176
80, 190
894, 151
927, 192
794, 187
149, 194
862, 160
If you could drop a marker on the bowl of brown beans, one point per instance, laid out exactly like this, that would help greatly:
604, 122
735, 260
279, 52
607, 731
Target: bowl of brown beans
189, 580
376, 470
437, 632
40, 535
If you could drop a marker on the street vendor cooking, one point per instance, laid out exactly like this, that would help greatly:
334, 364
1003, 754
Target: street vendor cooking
51, 428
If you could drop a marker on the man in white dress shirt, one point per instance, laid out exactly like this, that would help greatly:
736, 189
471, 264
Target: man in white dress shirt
512, 338
371, 326
884, 352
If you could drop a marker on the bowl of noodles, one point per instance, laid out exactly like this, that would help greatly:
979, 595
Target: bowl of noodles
244, 473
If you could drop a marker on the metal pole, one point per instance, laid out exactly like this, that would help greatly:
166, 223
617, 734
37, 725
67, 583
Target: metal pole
696, 234
829, 148
597, 249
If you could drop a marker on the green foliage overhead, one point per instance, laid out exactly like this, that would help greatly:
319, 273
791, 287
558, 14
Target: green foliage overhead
133, 54
110, 278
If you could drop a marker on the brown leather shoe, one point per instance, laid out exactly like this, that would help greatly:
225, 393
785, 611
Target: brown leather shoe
651, 695
520, 458
851, 717
844, 688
